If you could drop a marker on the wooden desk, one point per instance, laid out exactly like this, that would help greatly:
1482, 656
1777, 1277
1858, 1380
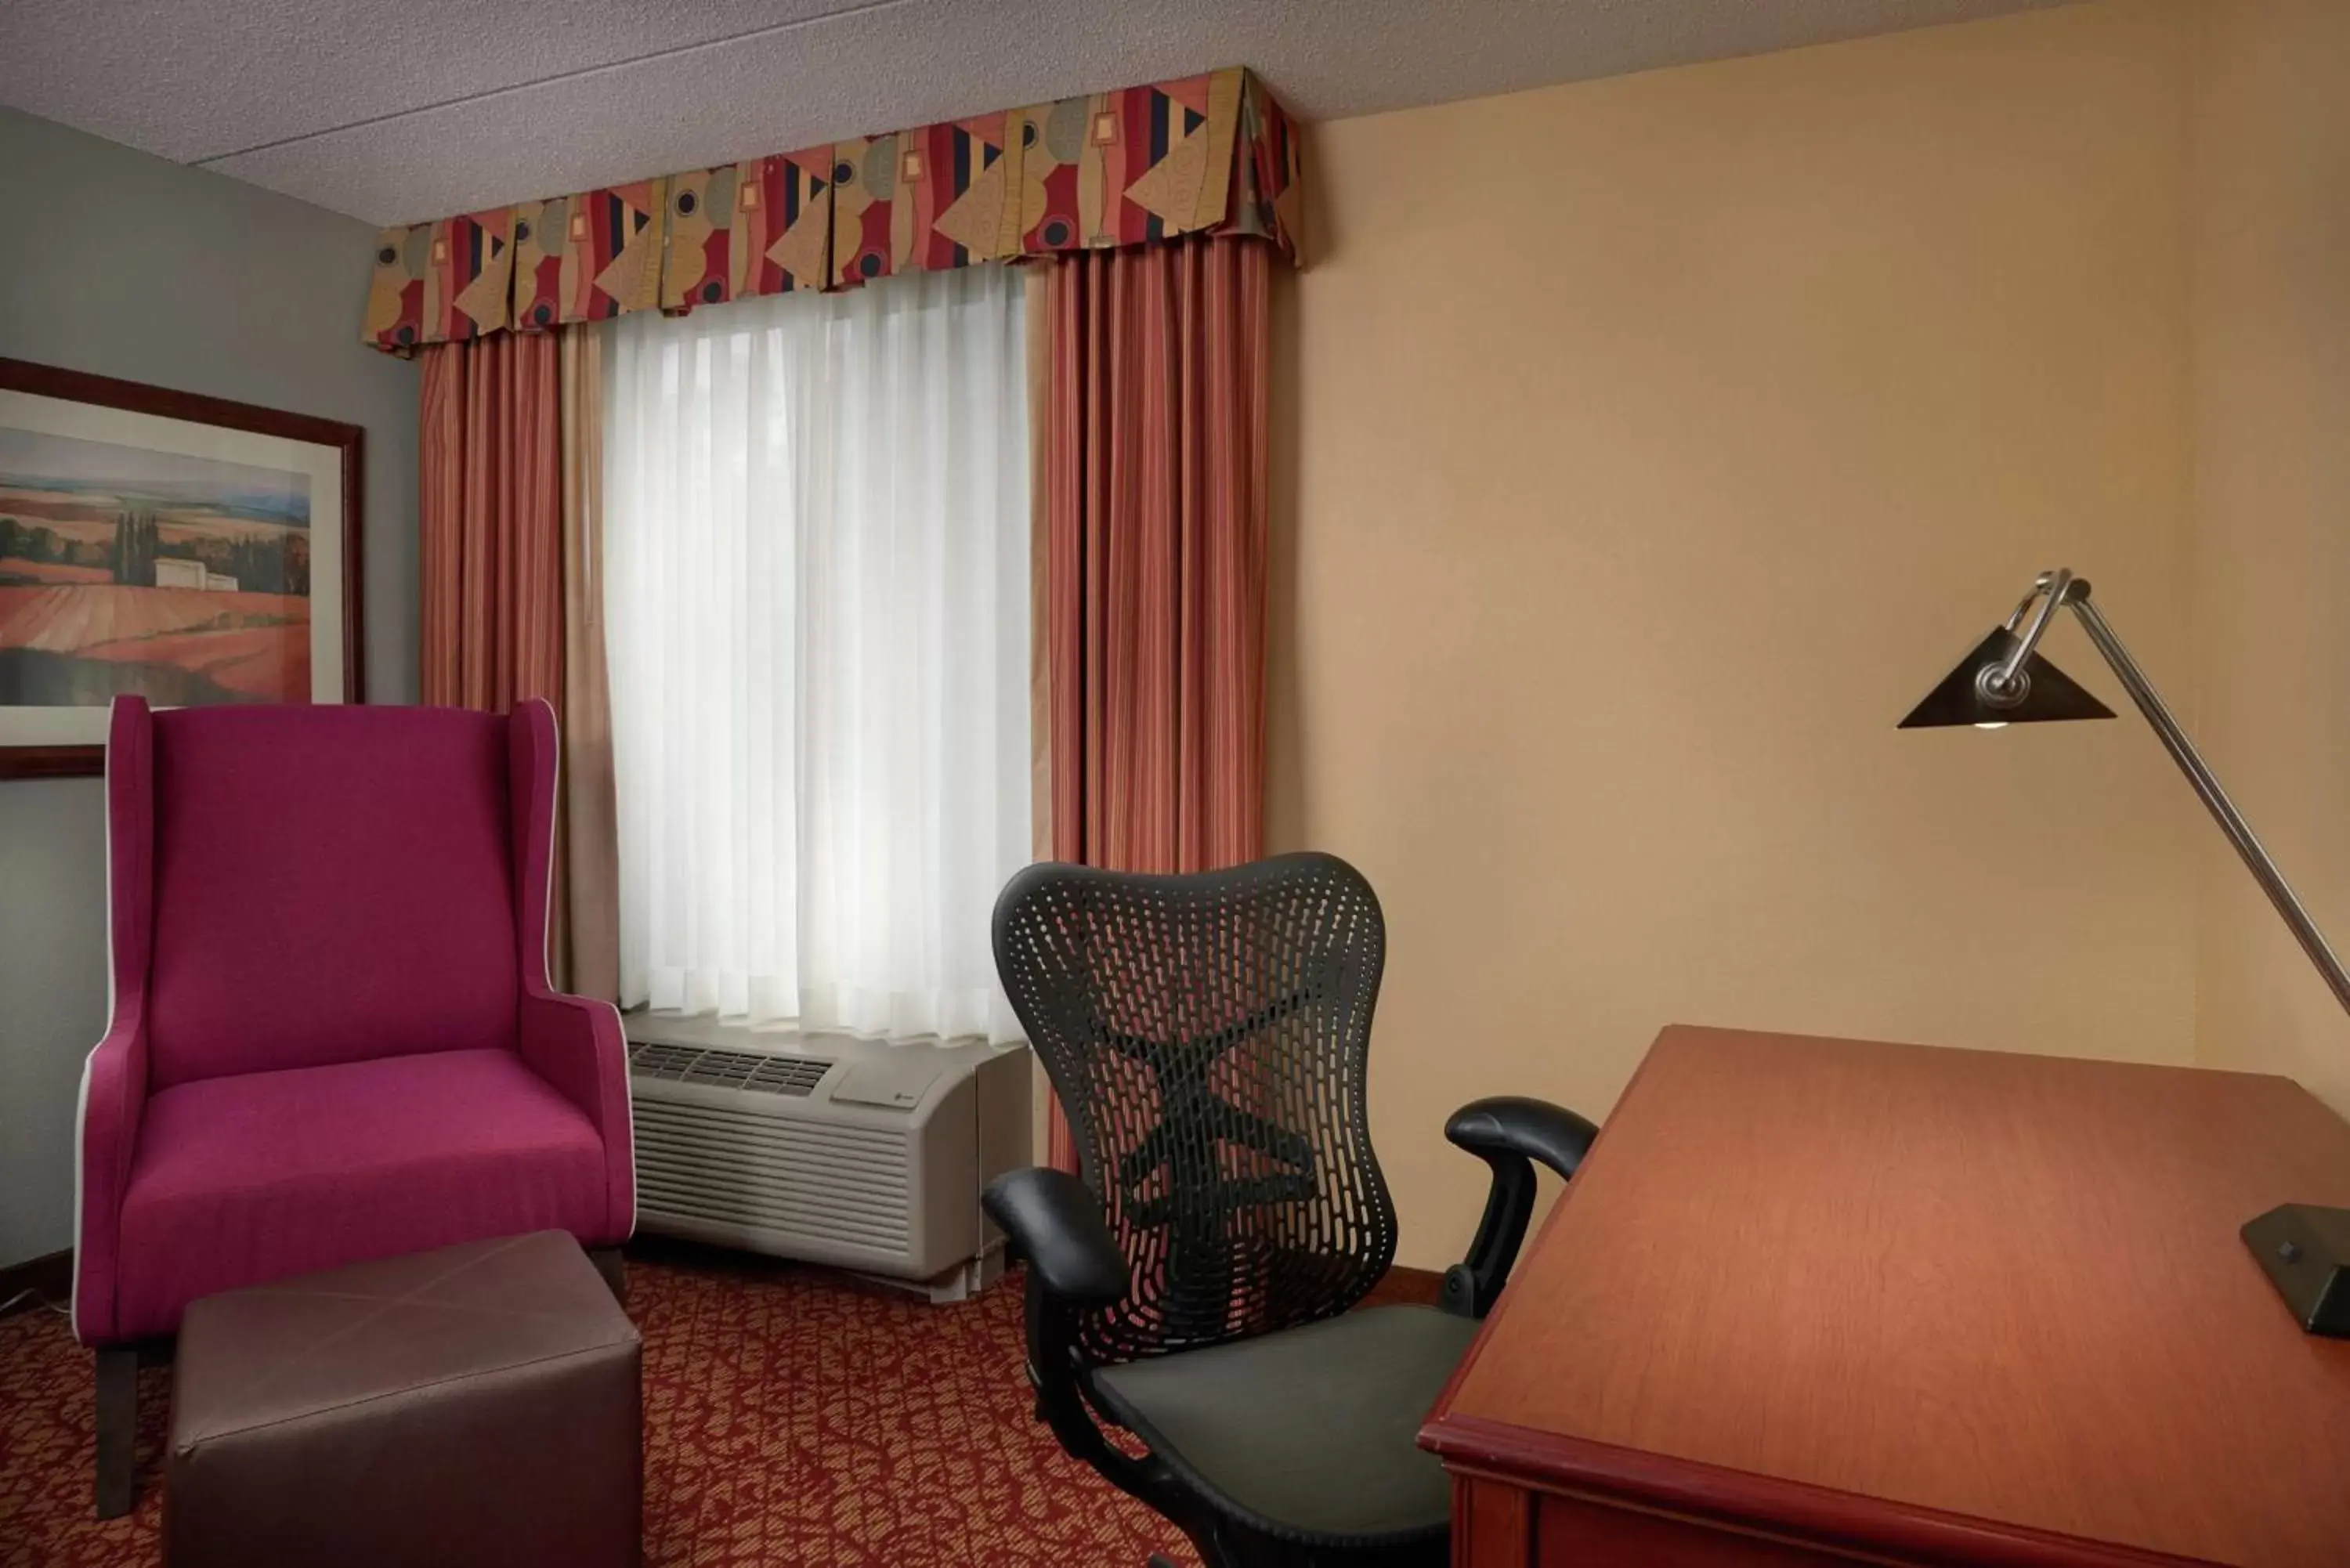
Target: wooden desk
1824, 1301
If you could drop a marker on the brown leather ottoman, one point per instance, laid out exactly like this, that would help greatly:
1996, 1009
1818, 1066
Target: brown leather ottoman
478, 1405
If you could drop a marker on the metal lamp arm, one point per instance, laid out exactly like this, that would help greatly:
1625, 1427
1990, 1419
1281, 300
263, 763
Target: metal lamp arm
2063, 587
2051, 591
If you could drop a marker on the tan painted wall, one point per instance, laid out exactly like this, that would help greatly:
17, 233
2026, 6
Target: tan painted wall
2271, 184
1657, 442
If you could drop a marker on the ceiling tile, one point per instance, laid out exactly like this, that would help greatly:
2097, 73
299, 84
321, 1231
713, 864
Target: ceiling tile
192, 79
397, 112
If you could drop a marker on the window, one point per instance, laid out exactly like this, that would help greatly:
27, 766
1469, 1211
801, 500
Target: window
817, 599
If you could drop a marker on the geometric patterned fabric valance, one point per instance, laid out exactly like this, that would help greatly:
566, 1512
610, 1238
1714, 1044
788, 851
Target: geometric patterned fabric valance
1213, 153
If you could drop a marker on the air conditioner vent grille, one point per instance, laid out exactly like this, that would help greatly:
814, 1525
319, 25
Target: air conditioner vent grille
846, 1187
751, 1069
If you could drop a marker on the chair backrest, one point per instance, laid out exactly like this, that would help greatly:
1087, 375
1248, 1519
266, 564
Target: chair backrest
330, 884
1210, 1037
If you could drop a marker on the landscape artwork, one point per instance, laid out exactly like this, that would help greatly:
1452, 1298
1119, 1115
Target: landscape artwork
184, 579
166, 545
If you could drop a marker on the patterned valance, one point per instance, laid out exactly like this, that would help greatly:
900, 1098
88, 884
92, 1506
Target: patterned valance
1211, 153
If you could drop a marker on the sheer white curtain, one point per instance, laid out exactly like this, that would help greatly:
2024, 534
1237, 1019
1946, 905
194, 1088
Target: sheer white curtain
816, 601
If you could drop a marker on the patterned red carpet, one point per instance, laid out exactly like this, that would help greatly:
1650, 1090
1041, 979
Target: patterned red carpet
790, 1419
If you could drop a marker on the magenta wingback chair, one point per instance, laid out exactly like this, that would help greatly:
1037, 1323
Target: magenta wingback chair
333, 1034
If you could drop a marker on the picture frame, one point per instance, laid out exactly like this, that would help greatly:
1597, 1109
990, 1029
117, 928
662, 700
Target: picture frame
187, 548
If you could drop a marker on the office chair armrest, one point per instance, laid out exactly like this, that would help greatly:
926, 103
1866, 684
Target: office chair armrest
1509, 1133
1054, 1224
1074, 1264
1534, 1129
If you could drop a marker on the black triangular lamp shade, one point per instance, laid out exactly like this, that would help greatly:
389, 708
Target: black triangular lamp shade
1958, 699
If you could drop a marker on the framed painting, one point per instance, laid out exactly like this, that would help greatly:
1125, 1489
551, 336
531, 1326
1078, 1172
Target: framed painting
187, 549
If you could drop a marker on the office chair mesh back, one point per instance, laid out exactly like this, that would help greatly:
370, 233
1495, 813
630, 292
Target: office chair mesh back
1209, 1036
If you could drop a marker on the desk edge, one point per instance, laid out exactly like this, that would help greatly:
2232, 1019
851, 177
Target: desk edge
1796, 1511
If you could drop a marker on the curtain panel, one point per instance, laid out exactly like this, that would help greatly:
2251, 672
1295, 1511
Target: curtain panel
508, 519
1209, 154
489, 524
818, 588
1152, 409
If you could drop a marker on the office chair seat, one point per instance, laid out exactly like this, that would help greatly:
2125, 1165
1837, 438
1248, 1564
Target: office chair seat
1306, 1434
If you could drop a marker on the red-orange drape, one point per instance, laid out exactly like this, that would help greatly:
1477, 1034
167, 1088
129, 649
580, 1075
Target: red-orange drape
1154, 412
490, 516
510, 530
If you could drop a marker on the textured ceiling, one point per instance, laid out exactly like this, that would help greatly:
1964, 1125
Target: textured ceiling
396, 110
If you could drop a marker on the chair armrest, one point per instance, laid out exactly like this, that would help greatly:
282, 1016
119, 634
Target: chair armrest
1056, 1224
1074, 1265
577, 1047
1535, 1130
113, 1101
1509, 1133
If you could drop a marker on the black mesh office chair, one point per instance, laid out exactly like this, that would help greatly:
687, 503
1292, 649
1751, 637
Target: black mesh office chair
1209, 1036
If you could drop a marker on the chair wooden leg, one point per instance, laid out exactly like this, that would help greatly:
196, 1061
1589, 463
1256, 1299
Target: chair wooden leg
117, 1429
608, 1264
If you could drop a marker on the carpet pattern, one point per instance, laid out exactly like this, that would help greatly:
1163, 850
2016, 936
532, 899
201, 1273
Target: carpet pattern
791, 1417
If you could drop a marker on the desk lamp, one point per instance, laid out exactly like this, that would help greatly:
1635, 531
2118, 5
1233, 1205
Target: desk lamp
2004, 680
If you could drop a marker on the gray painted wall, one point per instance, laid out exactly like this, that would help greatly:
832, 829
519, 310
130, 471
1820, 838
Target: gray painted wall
125, 265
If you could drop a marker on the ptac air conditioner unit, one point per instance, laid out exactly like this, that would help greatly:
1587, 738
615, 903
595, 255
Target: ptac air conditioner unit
827, 1148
